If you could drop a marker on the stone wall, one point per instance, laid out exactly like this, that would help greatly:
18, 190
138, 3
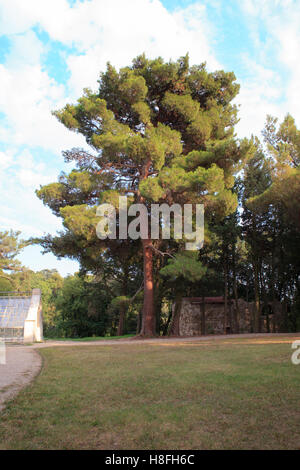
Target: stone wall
196, 318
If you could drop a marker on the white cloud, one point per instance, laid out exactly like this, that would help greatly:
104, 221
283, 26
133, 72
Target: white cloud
259, 94
112, 23
27, 230
17, 16
288, 37
108, 30
5, 161
27, 97
254, 107
140, 26
26, 49
32, 179
20, 207
280, 20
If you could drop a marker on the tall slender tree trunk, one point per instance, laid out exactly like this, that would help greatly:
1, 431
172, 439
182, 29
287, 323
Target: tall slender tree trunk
256, 298
235, 291
139, 323
123, 308
225, 294
120, 330
273, 295
284, 315
148, 319
173, 329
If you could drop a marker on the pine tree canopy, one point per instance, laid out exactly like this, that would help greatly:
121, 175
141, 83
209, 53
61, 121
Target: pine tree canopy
159, 131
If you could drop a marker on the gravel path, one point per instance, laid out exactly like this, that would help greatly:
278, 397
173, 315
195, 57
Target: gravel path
23, 363
164, 340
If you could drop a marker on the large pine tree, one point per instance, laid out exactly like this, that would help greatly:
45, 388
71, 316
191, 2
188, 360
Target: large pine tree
158, 132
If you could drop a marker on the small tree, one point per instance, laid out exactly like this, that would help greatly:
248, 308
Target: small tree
10, 247
283, 145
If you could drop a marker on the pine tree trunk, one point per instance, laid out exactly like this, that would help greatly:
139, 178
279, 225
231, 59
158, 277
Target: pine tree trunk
148, 319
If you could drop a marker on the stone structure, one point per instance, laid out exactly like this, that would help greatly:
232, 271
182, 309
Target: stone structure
21, 317
206, 315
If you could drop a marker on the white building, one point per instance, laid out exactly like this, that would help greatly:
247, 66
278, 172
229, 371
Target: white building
21, 317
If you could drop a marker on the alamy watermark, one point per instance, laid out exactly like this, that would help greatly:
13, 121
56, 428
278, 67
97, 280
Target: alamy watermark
156, 224
2, 353
296, 354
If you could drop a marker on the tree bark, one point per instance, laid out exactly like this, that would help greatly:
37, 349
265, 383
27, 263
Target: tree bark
148, 319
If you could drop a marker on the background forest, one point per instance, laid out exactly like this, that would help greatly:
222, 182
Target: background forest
250, 188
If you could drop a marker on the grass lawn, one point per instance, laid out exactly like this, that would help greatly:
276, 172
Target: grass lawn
228, 394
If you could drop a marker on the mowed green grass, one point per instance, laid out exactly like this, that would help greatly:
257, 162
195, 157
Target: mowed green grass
228, 394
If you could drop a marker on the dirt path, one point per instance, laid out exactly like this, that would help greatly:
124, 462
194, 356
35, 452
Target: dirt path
23, 363
165, 340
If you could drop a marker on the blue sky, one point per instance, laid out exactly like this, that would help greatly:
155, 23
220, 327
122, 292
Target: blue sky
51, 50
